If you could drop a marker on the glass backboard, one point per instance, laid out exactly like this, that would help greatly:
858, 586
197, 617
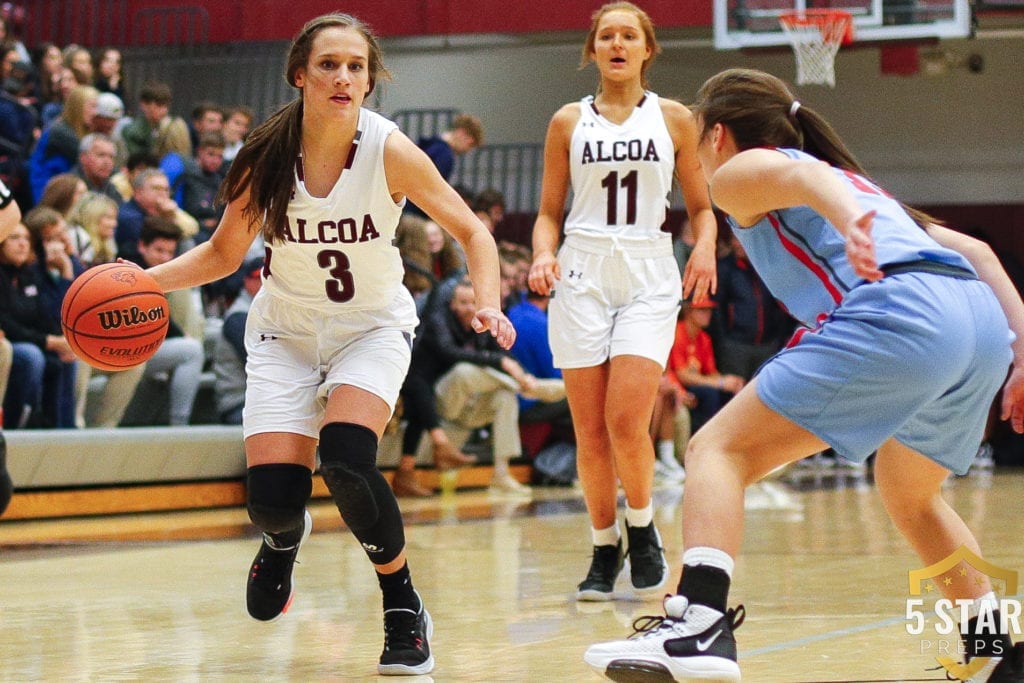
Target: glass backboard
755, 23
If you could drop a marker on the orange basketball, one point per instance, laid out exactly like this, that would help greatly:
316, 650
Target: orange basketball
115, 316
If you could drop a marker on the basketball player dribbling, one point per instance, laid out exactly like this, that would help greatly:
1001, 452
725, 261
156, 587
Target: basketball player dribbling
329, 334
615, 284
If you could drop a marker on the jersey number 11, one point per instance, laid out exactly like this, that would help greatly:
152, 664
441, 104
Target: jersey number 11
611, 184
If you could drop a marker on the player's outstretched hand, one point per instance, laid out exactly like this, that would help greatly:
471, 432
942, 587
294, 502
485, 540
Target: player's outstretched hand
499, 326
544, 273
1013, 399
860, 248
700, 277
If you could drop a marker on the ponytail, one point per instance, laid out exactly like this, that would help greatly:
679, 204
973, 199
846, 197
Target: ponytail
265, 165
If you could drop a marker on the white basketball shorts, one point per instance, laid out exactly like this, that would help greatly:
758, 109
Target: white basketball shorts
617, 296
298, 356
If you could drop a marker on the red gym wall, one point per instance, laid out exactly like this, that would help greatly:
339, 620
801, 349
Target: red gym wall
88, 21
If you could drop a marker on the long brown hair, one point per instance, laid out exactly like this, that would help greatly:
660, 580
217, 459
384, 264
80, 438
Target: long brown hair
264, 164
59, 192
759, 110
646, 25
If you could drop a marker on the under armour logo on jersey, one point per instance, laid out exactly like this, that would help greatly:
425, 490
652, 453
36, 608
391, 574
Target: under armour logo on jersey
267, 337
578, 274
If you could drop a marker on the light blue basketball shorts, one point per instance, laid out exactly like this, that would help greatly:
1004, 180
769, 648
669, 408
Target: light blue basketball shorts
915, 356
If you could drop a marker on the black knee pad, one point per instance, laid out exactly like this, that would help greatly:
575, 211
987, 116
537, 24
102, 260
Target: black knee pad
348, 464
278, 494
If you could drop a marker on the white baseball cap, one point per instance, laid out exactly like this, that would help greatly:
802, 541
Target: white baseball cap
109, 106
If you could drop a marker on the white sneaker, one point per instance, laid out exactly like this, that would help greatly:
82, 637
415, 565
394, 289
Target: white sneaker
508, 485
690, 641
663, 475
672, 468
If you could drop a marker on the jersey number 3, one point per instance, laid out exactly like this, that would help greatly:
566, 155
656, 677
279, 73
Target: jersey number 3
342, 288
611, 184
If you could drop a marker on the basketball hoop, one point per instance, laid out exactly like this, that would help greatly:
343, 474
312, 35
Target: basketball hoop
816, 35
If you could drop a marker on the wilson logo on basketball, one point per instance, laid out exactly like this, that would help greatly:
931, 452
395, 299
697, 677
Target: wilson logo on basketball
127, 277
129, 317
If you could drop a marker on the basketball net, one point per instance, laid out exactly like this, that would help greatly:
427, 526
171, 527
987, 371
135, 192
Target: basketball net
816, 35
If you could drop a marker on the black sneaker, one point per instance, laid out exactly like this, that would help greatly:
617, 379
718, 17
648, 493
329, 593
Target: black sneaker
1010, 668
691, 641
605, 566
269, 591
648, 568
407, 643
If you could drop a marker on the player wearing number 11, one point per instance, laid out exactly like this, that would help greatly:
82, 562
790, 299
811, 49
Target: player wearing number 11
615, 283
329, 334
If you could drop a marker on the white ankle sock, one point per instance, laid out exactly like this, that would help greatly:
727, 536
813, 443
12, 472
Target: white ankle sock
640, 517
711, 557
667, 451
609, 536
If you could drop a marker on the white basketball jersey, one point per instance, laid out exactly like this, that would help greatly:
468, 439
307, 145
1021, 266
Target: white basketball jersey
338, 251
621, 174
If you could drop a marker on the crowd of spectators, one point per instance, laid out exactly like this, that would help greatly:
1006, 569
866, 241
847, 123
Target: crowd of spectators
99, 178
111, 178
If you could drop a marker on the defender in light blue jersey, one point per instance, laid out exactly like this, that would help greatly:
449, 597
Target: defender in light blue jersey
910, 330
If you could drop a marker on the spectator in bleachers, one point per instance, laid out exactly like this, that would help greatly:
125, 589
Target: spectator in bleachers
46, 58
96, 214
178, 363
533, 351
110, 72
79, 60
109, 115
207, 117
9, 36
96, 163
229, 354
238, 121
467, 381
411, 240
57, 149
174, 149
448, 265
670, 428
201, 182
41, 390
141, 133
748, 326
489, 206
51, 111
62, 193
17, 76
135, 164
151, 196
465, 133
19, 126
55, 252
692, 359
446, 257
